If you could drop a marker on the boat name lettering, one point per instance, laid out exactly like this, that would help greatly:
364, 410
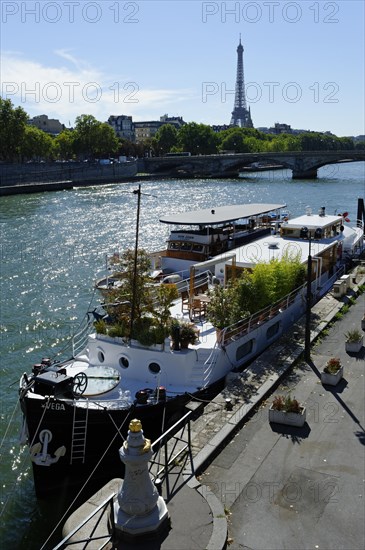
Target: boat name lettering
55, 406
186, 237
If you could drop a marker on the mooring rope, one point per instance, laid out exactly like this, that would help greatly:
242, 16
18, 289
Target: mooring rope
86, 482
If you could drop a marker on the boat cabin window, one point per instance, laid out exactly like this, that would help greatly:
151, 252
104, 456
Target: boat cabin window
245, 349
185, 246
286, 232
198, 248
101, 356
273, 330
174, 246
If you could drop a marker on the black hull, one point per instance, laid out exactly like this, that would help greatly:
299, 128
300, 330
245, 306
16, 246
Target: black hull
106, 429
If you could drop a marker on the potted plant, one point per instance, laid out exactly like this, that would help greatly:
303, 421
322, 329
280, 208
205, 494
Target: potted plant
287, 410
188, 334
183, 334
332, 372
354, 340
218, 310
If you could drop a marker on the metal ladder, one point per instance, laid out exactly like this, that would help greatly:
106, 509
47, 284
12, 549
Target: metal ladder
79, 433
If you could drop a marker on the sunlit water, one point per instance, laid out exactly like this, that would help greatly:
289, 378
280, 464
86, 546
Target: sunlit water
53, 247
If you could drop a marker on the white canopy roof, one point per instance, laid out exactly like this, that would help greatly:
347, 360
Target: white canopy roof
220, 214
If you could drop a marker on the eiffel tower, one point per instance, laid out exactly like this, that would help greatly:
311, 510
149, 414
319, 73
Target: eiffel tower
240, 115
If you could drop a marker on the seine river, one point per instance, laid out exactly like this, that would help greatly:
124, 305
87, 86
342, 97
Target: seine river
53, 247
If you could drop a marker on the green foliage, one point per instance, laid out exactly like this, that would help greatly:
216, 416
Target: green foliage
165, 295
274, 280
188, 333
64, 144
218, 309
133, 287
100, 326
254, 290
197, 139
13, 123
333, 365
148, 332
116, 331
353, 335
184, 332
166, 138
292, 405
286, 404
242, 140
151, 303
93, 138
36, 144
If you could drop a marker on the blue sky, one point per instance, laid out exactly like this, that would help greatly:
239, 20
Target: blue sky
303, 60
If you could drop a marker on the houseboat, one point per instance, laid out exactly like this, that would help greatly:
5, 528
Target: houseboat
76, 411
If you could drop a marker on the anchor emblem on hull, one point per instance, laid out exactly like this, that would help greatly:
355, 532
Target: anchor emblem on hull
39, 452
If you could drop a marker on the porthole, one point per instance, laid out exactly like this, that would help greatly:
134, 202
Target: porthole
101, 356
154, 368
123, 362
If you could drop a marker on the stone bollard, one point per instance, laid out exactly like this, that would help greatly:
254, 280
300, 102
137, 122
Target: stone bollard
139, 510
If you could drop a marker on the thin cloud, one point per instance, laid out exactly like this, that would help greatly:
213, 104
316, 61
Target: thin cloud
64, 92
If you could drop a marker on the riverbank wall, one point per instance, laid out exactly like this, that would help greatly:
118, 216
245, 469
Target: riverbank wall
38, 177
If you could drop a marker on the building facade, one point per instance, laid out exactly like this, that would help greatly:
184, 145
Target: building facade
137, 132
49, 125
122, 126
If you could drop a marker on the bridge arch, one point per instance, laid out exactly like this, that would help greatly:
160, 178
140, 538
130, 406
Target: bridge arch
304, 164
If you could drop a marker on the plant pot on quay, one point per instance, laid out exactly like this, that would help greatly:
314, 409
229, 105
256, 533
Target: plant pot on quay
354, 341
332, 372
288, 411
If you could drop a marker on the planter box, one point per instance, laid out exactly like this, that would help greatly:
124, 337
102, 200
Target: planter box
353, 347
332, 379
288, 418
363, 324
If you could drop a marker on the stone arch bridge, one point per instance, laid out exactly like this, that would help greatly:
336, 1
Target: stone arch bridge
303, 164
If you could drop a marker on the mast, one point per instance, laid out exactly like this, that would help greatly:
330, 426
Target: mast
134, 289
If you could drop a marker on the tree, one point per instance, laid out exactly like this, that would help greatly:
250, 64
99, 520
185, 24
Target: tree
85, 134
233, 141
36, 144
65, 144
12, 129
197, 139
106, 142
93, 138
133, 288
166, 138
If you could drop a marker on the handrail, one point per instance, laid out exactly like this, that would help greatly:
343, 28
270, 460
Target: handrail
104, 504
250, 322
168, 442
79, 339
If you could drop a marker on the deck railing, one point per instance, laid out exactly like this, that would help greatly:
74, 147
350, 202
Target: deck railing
80, 338
246, 325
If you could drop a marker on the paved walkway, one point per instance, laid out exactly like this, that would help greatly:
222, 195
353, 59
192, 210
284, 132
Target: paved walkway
290, 488
267, 487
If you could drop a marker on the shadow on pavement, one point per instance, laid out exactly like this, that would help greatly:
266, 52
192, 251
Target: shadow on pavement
291, 432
